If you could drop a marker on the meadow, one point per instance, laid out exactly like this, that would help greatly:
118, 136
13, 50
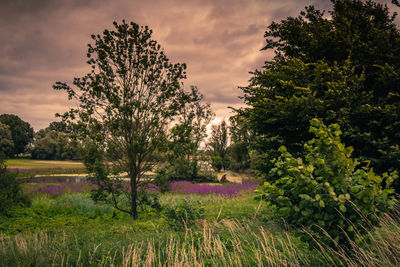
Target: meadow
26, 168
65, 227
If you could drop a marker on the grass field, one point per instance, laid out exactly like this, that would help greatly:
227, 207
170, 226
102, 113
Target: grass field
72, 230
65, 227
26, 168
31, 164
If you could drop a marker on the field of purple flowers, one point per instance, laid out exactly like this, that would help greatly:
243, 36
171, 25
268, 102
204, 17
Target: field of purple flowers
59, 188
178, 187
227, 189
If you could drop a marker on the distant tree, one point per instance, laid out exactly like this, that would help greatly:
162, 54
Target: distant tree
21, 132
6, 142
239, 149
342, 68
218, 144
54, 143
185, 137
126, 104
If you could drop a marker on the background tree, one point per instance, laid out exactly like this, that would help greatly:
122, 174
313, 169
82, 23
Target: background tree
6, 142
21, 132
340, 68
218, 144
54, 142
126, 104
239, 149
184, 140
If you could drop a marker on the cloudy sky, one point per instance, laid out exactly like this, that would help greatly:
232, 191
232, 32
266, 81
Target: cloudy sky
44, 41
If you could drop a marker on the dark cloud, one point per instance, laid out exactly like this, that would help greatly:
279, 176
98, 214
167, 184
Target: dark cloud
45, 41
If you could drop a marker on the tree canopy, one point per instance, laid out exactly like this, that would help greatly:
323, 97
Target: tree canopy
21, 132
184, 139
341, 68
126, 104
54, 142
6, 142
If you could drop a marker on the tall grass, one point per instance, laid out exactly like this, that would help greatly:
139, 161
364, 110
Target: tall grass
380, 247
227, 243
223, 243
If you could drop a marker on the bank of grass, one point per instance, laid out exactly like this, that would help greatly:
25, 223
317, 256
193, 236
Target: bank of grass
26, 168
71, 230
30, 163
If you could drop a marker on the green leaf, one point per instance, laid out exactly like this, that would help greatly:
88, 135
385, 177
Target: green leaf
305, 213
342, 208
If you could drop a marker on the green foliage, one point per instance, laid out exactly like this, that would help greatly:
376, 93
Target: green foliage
288, 94
126, 104
21, 132
179, 169
81, 202
6, 142
182, 215
148, 200
342, 68
238, 156
11, 194
218, 144
241, 139
181, 149
217, 162
325, 189
54, 143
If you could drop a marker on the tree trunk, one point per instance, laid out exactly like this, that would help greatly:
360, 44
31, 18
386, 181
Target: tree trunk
133, 195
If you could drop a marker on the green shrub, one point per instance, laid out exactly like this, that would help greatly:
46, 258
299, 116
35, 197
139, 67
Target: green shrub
148, 200
183, 214
82, 202
238, 156
181, 169
325, 190
217, 163
10, 191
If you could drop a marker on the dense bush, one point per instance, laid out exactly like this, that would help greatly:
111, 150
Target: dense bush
148, 200
238, 156
217, 163
51, 144
325, 189
183, 214
10, 191
6, 141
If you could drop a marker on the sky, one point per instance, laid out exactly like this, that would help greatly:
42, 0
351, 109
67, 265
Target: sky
44, 41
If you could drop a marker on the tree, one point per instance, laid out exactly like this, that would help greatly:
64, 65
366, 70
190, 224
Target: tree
283, 98
219, 143
185, 137
126, 104
342, 68
54, 143
6, 142
21, 132
238, 151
